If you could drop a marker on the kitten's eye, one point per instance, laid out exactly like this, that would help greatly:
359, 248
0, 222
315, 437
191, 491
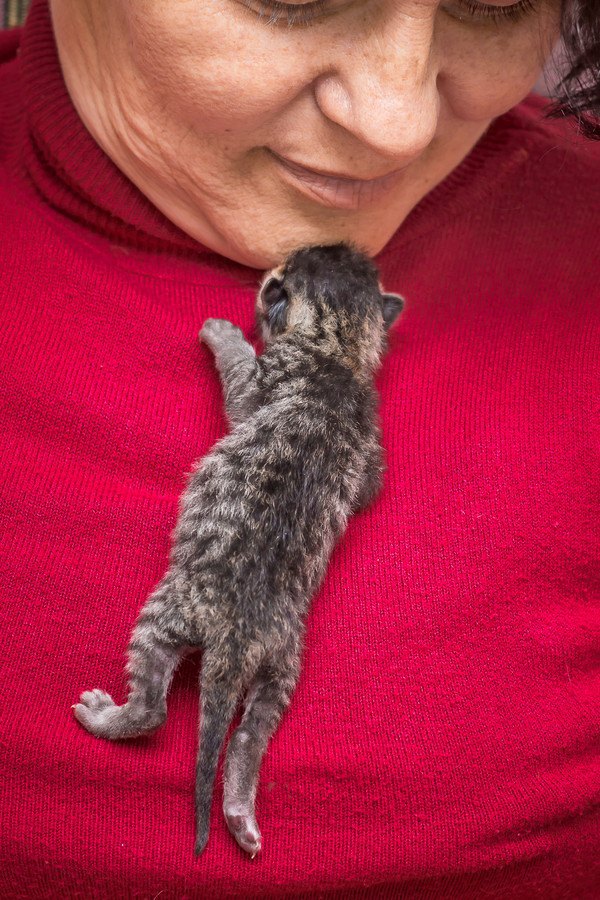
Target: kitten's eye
275, 300
274, 292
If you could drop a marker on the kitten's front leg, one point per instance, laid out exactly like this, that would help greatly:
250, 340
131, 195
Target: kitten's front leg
236, 361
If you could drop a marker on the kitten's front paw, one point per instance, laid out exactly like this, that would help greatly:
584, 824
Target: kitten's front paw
216, 332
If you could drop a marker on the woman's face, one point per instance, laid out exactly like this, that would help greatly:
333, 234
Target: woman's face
257, 126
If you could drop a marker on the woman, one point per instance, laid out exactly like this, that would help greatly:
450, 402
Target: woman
155, 158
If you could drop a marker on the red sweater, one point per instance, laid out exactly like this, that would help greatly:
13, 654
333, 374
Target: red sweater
444, 738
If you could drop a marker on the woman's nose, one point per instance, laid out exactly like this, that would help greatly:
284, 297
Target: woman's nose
382, 89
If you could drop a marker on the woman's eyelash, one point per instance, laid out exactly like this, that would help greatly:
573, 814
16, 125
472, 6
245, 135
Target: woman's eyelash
290, 14
515, 11
274, 11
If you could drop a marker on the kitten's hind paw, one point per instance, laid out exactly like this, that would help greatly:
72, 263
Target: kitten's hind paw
96, 699
244, 828
92, 709
99, 714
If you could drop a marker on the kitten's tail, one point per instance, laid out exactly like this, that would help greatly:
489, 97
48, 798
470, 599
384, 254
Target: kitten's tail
220, 686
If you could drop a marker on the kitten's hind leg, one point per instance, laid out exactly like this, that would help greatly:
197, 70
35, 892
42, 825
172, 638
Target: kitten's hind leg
220, 689
154, 652
267, 700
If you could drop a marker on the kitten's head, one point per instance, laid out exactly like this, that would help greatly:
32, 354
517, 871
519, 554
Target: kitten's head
331, 295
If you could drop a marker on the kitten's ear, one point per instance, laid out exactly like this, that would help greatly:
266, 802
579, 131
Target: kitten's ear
393, 304
275, 303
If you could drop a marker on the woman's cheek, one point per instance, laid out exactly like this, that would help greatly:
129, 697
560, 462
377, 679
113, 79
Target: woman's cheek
485, 70
478, 89
211, 75
472, 102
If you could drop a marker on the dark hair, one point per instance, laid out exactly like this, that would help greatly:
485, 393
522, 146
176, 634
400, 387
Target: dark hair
578, 93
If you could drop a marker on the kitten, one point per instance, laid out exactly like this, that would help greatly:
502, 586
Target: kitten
260, 517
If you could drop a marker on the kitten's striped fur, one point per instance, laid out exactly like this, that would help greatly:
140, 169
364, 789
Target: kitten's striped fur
260, 517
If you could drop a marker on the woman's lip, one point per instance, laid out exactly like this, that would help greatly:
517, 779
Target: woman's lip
334, 190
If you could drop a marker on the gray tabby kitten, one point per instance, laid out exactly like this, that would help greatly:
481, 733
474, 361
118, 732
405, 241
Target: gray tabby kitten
259, 519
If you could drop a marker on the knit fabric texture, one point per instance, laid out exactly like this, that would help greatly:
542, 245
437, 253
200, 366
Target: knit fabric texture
444, 738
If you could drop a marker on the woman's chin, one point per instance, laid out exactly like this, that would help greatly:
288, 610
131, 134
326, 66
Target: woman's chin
266, 250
